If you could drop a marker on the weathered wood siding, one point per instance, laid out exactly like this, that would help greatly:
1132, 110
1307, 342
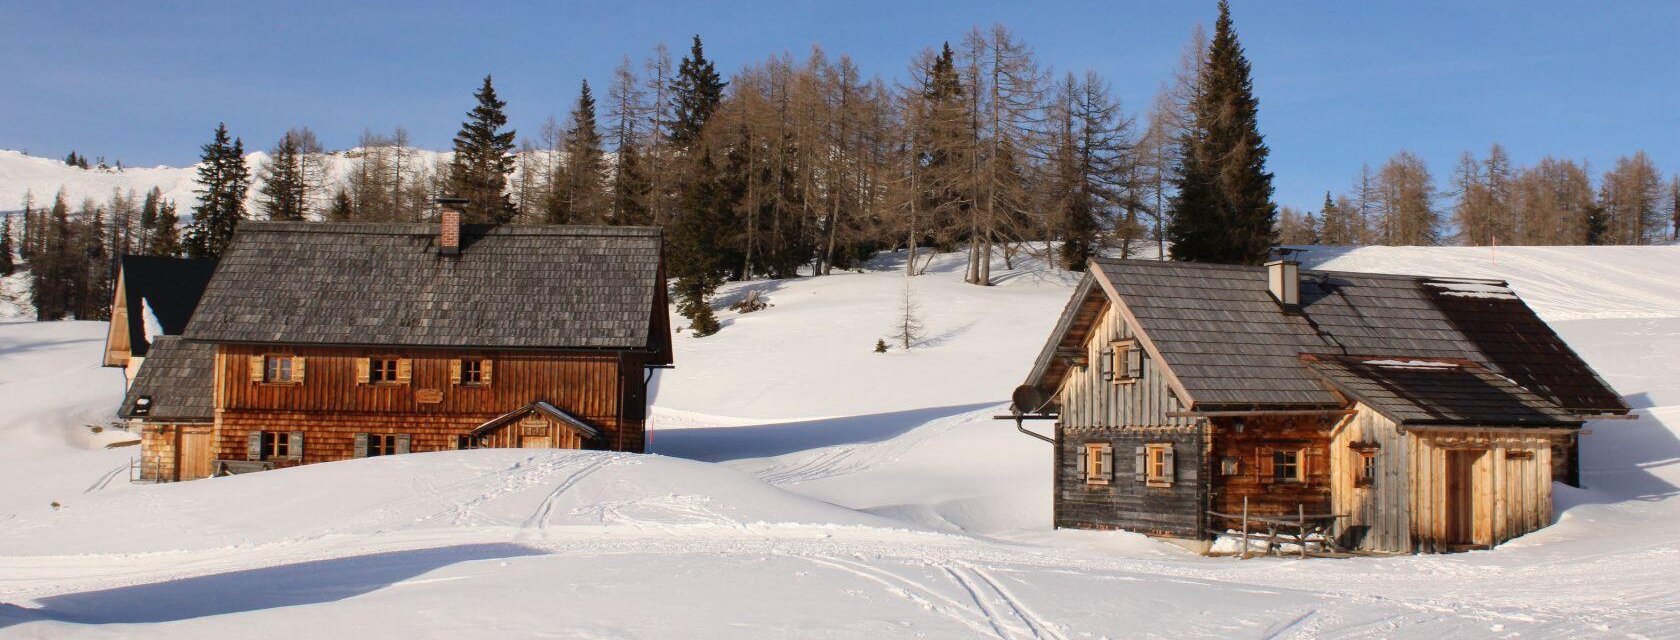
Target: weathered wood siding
1087, 400
162, 452
1127, 502
1251, 450
329, 406
1126, 415
1511, 484
1379, 514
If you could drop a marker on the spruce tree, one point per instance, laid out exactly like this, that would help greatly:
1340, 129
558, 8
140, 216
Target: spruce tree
579, 195
342, 208
483, 160
284, 191
7, 266
49, 288
696, 93
698, 233
149, 217
631, 187
94, 299
29, 225
1223, 211
165, 240
223, 182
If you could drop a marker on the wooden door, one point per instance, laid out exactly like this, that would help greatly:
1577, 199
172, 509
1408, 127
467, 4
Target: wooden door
535, 442
196, 454
1467, 520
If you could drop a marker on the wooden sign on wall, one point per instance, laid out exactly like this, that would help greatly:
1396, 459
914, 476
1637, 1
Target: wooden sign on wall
428, 396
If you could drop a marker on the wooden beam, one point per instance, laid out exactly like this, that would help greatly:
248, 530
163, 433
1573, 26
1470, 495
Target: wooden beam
1260, 412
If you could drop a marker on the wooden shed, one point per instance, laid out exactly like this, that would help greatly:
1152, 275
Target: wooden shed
1403, 412
336, 341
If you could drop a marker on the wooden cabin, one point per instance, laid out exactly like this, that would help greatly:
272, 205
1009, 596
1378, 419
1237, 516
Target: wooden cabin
1411, 413
334, 341
154, 297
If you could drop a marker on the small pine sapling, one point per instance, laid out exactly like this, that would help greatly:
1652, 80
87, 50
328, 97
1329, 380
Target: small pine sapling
908, 326
880, 345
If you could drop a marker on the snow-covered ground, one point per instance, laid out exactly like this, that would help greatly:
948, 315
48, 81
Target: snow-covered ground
804, 486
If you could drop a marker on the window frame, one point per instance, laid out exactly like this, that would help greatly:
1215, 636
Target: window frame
472, 372
1119, 361
276, 445
385, 444
272, 361
1155, 464
377, 371
1297, 459
1096, 473
1365, 473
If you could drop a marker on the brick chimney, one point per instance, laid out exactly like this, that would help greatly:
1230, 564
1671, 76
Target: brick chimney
449, 230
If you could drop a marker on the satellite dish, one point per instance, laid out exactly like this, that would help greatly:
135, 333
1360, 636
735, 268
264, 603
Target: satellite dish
1026, 399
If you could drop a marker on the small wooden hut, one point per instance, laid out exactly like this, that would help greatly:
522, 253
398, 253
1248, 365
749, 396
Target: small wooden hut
1407, 413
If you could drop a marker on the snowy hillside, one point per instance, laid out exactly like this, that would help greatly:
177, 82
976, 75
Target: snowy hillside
804, 486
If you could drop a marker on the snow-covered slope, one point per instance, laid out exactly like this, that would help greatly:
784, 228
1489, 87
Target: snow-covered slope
804, 486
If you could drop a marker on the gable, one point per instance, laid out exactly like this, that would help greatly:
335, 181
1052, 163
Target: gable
167, 290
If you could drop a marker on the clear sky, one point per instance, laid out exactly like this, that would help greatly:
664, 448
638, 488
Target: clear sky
1340, 83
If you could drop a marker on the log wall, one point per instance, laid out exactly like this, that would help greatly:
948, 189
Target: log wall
1252, 474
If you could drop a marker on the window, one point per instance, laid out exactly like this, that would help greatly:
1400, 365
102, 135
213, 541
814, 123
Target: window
472, 372
382, 370
278, 369
1125, 362
1096, 463
468, 442
1158, 464
381, 444
1286, 466
1365, 474
276, 445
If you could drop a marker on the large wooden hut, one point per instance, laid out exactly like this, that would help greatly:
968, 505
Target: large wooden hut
1413, 413
336, 341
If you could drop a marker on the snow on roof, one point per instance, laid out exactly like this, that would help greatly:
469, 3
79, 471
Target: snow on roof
1473, 290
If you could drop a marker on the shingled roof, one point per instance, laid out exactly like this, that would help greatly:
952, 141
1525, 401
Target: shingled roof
516, 287
1439, 392
177, 379
170, 287
1229, 344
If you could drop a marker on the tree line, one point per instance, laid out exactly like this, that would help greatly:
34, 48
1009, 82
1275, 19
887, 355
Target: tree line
1490, 200
806, 165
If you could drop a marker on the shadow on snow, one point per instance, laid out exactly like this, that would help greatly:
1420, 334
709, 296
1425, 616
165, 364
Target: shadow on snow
719, 444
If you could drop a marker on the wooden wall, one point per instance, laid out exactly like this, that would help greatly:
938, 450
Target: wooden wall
1512, 484
1087, 400
330, 407
1127, 415
1251, 449
1379, 515
161, 452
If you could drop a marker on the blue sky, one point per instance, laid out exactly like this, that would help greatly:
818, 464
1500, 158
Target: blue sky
1340, 83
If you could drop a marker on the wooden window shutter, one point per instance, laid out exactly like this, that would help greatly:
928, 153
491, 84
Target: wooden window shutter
1106, 461
297, 368
403, 442
1263, 464
1085, 463
258, 370
405, 370
455, 371
362, 373
1140, 464
486, 364
1168, 471
253, 446
1134, 363
1105, 364
294, 446
1312, 464
361, 445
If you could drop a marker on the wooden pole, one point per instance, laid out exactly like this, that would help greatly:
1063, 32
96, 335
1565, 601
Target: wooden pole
1301, 513
1245, 528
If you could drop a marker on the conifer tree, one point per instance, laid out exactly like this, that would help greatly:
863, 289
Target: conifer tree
49, 289
223, 181
698, 232
165, 240
484, 159
29, 227
149, 217
1224, 211
630, 183
695, 94
579, 197
94, 298
7, 266
342, 208
284, 191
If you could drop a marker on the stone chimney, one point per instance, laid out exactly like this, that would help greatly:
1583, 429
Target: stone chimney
449, 230
1283, 279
